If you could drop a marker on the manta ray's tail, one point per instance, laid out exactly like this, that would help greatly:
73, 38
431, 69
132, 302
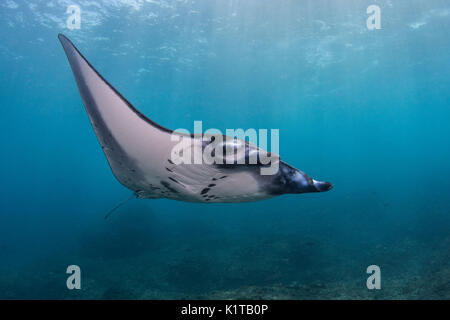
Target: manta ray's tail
119, 205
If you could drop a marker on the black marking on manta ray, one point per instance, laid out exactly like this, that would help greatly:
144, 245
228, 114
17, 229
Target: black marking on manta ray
211, 185
176, 181
170, 161
204, 191
168, 169
167, 185
215, 179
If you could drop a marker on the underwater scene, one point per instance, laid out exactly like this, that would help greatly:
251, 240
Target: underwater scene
357, 92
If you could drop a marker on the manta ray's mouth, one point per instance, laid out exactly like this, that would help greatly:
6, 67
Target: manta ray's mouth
322, 186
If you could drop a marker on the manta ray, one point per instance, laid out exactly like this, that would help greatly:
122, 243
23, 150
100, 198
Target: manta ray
139, 151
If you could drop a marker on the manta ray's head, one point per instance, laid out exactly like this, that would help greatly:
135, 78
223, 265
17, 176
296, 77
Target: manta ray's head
291, 180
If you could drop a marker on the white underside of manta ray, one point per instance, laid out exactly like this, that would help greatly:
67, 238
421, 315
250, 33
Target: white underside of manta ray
139, 152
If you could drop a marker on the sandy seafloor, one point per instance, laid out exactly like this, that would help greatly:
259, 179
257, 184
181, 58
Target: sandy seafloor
215, 262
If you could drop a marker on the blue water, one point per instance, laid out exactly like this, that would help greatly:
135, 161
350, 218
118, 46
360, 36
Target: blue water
365, 109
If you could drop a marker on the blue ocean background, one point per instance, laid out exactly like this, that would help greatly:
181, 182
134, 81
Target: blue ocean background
367, 110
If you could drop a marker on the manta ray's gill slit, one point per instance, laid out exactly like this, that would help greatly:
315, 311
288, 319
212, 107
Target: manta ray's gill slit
154, 188
215, 179
204, 191
167, 185
168, 169
211, 185
177, 182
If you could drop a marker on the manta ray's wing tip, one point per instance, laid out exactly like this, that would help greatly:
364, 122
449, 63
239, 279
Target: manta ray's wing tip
65, 42
62, 37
